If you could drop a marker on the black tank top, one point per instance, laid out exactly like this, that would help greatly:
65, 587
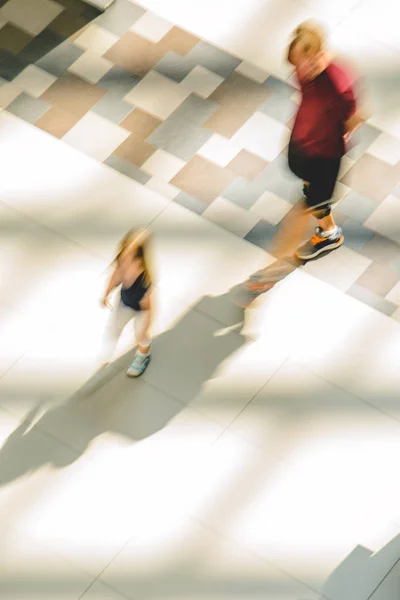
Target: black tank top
132, 296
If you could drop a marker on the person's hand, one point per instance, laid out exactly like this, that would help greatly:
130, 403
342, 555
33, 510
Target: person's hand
105, 303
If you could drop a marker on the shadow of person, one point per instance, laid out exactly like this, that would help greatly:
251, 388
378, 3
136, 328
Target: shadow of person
185, 357
362, 571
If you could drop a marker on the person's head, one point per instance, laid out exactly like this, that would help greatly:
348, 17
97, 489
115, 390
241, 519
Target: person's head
133, 247
306, 51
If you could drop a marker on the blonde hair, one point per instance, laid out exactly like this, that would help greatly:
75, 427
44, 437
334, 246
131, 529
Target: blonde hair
135, 244
309, 37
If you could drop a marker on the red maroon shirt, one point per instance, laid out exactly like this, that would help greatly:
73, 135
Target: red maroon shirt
327, 103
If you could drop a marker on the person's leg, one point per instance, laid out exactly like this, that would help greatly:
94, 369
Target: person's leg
119, 318
142, 358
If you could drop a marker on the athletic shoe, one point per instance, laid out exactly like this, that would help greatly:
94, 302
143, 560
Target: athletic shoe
138, 366
318, 244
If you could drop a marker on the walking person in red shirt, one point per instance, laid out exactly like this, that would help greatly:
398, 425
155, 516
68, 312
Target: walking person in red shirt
326, 117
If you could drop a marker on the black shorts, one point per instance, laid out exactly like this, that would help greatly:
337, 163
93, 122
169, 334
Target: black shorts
321, 173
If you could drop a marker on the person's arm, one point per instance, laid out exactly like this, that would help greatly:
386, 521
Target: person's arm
115, 281
352, 118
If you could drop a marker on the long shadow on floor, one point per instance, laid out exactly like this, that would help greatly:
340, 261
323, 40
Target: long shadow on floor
184, 358
18, 49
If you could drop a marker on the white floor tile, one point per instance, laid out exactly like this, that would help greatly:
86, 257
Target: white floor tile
163, 165
165, 189
91, 67
151, 27
252, 72
385, 217
96, 39
348, 267
271, 207
263, 136
34, 81
202, 81
96, 136
219, 150
157, 95
232, 217
386, 148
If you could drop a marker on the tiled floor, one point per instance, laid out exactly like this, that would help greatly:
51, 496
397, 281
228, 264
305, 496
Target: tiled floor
129, 86
249, 461
257, 456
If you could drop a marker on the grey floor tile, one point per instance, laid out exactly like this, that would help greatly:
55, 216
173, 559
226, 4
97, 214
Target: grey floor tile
279, 87
120, 17
118, 81
380, 249
214, 59
11, 65
378, 302
28, 108
396, 191
242, 192
191, 203
128, 169
262, 234
394, 265
111, 107
279, 107
362, 140
182, 133
60, 59
357, 206
174, 66
355, 235
183, 142
278, 179
191, 114
42, 45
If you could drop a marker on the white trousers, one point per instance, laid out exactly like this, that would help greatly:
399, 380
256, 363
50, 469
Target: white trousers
120, 316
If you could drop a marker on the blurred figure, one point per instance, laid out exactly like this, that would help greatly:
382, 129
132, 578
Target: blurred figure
135, 300
326, 118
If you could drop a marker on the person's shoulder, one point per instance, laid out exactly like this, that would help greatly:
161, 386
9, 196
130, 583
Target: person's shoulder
341, 74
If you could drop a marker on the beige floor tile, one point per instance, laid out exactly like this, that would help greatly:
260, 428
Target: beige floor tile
57, 122
247, 165
135, 149
140, 123
202, 179
178, 40
135, 54
72, 94
372, 177
379, 279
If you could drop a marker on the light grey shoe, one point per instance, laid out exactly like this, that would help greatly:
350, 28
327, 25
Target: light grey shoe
139, 365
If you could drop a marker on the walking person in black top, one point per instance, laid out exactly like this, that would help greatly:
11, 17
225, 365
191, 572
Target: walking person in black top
135, 300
